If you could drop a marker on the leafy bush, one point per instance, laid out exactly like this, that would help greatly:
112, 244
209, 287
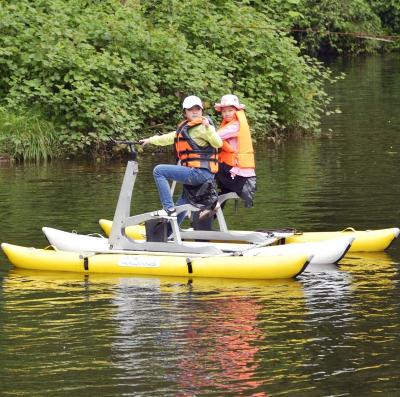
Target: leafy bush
98, 70
389, 13
328, 27
281, 88
121, 68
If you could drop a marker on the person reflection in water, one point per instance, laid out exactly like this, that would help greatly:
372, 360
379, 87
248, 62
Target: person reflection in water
226, 348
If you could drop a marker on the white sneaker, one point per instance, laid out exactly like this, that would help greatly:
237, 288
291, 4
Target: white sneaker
165, 213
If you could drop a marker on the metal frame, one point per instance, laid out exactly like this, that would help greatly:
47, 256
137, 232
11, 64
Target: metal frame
118, 239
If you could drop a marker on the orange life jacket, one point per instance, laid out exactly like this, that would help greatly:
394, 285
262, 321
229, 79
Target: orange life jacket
243, 157
192, 154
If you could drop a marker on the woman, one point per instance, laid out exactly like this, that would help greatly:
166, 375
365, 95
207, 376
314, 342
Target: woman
236, 158
196, 143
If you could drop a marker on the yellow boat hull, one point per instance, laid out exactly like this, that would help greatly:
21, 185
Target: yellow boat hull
241, 267
137, 232
364, 241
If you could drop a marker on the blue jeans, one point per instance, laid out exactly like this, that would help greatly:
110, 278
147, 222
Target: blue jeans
163, 173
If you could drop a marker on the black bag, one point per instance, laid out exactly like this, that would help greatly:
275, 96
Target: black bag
203, 196
156, 230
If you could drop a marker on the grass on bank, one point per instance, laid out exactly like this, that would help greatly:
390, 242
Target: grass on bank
26, 135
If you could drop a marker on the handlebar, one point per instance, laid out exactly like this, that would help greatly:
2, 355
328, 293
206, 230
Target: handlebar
130, 145
125, 142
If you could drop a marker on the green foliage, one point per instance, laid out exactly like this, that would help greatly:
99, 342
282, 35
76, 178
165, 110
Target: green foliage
281, 88
389, 13
111, 68
27, 135
83, 65
98, 70
328, 26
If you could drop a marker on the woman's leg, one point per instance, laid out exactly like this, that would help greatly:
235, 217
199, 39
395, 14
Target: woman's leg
196, 177
181, 201
163, 173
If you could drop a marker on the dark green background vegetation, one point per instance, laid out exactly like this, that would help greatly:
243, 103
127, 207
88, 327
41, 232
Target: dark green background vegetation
74, 73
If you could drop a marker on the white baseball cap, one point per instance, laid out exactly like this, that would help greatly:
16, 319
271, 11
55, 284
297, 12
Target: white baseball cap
191, 101
229, 100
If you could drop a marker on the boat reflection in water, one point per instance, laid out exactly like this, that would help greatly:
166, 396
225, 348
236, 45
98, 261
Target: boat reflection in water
351, 322
190, 336
378, 263
211, 335
178, 334
340, 285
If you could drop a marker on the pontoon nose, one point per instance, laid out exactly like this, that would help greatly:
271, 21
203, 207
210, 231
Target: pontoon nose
6, 248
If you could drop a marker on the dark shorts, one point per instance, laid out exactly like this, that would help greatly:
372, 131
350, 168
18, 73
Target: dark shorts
225, 181
244, 187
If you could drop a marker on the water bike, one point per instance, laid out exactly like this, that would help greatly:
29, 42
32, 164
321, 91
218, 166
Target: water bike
358, 241
135, 228
322, 253
191, 240
173, 257
228, 255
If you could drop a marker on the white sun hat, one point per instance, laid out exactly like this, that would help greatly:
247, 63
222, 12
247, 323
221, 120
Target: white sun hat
191, 101
229, 100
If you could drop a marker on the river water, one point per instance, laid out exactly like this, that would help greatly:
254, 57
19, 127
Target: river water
335, 331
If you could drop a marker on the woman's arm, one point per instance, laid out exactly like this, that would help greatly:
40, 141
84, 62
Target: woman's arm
229, 131
212, 137
159, 140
